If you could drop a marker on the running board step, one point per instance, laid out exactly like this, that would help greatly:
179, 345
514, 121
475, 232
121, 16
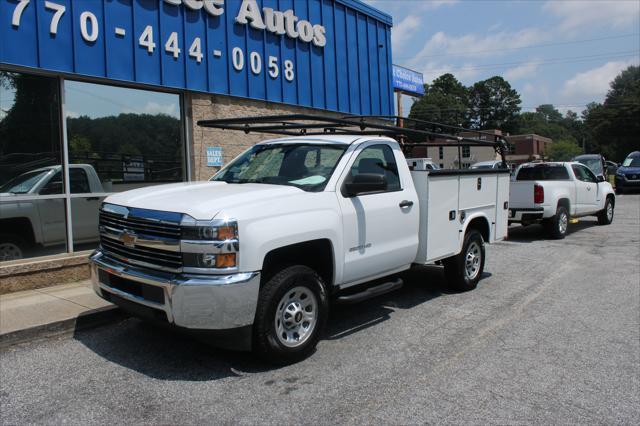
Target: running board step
371, 292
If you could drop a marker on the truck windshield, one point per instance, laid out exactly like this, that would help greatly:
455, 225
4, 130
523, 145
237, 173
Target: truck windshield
23, 183
545, 172
594, 164
306, 166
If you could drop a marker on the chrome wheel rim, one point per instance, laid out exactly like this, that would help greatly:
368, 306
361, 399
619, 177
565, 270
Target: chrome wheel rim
296, 316
473, 259
563, 223
609, 212
10, 251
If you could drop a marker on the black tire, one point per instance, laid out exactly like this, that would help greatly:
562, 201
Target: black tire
266, 341
619, 190
13, 247
558, 225
604, 217
455, 268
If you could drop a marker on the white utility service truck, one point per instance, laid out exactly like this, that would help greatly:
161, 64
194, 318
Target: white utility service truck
326, 213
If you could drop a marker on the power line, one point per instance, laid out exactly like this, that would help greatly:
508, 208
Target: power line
532, 46
567, 60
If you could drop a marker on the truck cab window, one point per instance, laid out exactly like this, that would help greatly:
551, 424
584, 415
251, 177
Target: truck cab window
79, 181
378, 159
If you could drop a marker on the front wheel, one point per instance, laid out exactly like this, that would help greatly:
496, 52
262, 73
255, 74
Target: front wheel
605, 217
463, 271
292, 311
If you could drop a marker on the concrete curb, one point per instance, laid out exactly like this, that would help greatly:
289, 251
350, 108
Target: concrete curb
90, 319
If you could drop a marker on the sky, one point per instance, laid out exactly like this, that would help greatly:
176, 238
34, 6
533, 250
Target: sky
563, 52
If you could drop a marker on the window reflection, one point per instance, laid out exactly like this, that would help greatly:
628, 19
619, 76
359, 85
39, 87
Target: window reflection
30, 167
131, 138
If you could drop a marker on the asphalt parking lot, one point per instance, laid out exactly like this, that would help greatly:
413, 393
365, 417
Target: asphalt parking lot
551, 335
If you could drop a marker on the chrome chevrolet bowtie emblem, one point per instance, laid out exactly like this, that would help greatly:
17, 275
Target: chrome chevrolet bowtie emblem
128, 238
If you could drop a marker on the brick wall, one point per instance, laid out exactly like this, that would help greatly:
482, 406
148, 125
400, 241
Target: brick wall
233, 143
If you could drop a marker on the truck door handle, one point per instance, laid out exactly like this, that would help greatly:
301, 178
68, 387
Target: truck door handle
405, 204
92, 198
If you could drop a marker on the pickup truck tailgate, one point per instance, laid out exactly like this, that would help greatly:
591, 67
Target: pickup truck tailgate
521, 194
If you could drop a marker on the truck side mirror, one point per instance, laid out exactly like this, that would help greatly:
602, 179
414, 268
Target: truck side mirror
364, 183
600, 178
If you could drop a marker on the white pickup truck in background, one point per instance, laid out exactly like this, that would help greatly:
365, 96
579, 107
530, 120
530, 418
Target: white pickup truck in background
257, 253
29, 223
556, 193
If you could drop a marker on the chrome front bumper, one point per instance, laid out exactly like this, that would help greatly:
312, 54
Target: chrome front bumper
207, 302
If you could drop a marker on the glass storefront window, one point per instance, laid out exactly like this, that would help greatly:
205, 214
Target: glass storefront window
118, 139
131, 138
32, 204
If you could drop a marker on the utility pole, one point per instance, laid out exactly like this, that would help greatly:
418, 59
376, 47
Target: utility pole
400, 111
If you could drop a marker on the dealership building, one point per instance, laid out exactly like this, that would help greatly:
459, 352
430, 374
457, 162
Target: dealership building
102, 96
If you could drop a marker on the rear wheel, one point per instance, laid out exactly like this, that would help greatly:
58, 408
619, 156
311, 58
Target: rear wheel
463, 271
292, 311
557, 226
605, 217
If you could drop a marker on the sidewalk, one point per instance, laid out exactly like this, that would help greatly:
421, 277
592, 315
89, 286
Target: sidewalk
50, 311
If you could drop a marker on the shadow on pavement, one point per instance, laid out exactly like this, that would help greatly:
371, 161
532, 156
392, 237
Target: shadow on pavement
528, 234
165, 353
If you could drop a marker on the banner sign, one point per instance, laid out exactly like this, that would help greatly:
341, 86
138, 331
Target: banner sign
326, 54
408, 81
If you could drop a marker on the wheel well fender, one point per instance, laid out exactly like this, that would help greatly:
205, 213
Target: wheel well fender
480, 224
564, 202
20, 226
316, 254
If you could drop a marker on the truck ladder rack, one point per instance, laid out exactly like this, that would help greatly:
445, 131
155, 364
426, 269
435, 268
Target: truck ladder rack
415, 133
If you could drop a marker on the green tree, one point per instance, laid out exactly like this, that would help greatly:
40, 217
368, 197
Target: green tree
445, 101
493, 104
615, 124
563, 150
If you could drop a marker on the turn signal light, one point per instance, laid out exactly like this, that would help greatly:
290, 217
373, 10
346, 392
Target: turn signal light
226, 233
227, 260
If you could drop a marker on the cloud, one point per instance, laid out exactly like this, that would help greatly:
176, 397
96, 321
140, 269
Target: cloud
156, 108
521, 71
417, 6
403, 31
72, 114
593, 83
442, 44
587, 14
433, 70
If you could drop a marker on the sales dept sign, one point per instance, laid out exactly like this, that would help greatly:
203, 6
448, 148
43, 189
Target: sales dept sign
327, 54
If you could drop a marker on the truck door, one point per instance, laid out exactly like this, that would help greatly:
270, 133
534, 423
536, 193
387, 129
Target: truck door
380, 229
84, 210
586, 189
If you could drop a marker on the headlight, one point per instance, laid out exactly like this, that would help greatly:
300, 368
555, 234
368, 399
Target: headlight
209, 244
206, 231
619, 173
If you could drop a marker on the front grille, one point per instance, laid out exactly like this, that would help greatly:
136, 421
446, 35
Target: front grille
144, 256
150, 227
633, 176
117, 222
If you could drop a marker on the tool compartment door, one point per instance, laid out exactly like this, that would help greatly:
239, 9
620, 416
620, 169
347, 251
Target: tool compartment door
439, 221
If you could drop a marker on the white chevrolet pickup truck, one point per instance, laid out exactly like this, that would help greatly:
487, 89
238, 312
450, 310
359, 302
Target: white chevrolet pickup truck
555, 193
256, 254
